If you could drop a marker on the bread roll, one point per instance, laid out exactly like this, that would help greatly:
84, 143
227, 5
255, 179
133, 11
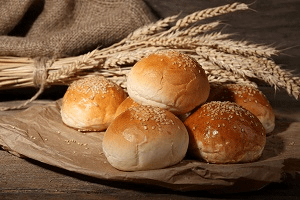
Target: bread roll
223, 132
127, 103
90, 104
249, 98
144, 138
170, 80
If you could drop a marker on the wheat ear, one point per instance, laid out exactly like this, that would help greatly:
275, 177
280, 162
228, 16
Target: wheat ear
284, 78
207, 13
197, 30
243, 48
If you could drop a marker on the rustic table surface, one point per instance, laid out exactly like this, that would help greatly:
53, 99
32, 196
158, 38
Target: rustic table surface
273, 22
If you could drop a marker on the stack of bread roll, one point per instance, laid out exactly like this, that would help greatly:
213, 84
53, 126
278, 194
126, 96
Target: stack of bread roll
169, 111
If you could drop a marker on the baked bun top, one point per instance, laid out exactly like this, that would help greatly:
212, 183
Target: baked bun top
127, 103
248, 97
170, 80
223, 132
144, 138
89, 104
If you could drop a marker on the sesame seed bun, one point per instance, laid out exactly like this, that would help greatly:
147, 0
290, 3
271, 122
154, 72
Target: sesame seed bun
223, 132
248, 97
170, 80
89, 104
127, 103
144, 138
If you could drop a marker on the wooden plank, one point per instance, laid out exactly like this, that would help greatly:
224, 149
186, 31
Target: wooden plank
28, 178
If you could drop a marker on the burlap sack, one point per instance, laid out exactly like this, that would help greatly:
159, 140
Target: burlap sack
60, 28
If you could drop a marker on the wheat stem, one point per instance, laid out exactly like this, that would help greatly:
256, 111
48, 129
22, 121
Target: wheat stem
242, 48
224, 60
208, 13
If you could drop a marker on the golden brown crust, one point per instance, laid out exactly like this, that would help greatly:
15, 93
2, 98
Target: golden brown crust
223, 132
127, 103
89, 104
249, 98
170, 80
143, 138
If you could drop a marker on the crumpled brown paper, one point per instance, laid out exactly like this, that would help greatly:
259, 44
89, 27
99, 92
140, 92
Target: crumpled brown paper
39, 133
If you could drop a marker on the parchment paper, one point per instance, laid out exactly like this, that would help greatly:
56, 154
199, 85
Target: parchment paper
39, 133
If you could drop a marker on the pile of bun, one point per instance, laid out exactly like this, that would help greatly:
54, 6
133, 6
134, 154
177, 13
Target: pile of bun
169, 112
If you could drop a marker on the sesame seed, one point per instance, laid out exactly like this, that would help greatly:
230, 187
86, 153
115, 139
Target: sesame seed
146, 113
93, 84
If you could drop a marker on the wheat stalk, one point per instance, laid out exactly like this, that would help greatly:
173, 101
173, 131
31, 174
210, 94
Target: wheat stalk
224, 60
207, 13
284, 78
151, 29
243, 48
197, 30
221, 59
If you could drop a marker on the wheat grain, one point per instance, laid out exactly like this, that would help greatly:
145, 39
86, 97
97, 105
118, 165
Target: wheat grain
207, 13
128, 57
239, 65
224, 76
243, 48
284, 78
68, 70
224, 60
197, 30
220, 59
186, 42
151, 29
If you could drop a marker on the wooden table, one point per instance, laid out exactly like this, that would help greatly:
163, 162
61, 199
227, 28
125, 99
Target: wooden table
28, 179
272, 22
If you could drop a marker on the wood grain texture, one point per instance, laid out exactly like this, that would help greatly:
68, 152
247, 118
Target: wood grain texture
33, 180
270, 22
